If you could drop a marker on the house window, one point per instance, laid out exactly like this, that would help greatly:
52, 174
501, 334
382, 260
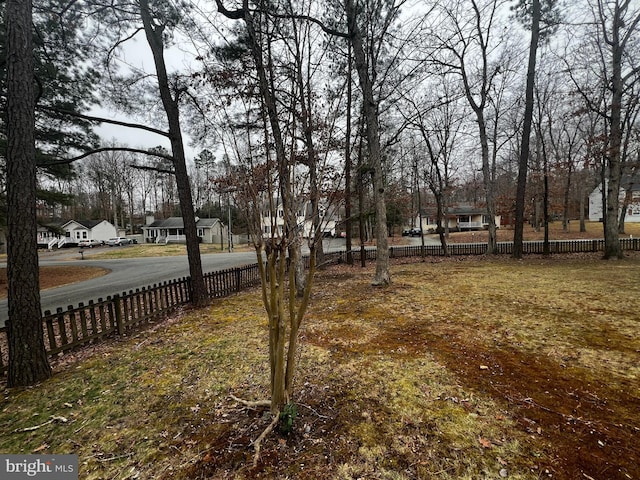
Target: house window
281, 213
201, 232
84, 235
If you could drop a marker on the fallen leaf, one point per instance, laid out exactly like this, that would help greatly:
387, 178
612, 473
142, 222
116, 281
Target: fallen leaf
42, 447
485, 442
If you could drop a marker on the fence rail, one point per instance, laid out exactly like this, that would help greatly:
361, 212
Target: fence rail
120, 314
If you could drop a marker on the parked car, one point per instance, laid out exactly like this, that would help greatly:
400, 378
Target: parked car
412, 232
89, 243
117, 241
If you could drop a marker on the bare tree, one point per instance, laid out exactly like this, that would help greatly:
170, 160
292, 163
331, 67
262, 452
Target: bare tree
438, 121
370, 109
155, 24
274, 190
604, 83
465, 43
526, 129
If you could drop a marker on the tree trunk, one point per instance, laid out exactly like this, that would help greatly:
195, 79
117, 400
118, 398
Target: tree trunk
348, 163
382, 275
612, 248
628, 199
441, 217
567, 192
28, 362
154, 36
489, 185
518, 235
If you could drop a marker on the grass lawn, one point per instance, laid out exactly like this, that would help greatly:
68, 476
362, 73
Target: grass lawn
158, 250
463, 368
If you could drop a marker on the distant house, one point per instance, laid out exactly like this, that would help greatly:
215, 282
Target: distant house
304, 221
171, 230
100, 230
459, 219
633, 207
73, 231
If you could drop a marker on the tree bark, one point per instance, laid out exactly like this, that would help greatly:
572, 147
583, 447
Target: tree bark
348, 163
154, 34
489, 184
612, 248
518, 235
28, 362
382, 275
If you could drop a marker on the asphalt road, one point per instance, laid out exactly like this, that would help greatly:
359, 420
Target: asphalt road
124, 275
130, 273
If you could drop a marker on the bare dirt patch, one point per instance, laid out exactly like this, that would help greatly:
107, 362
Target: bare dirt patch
55, 276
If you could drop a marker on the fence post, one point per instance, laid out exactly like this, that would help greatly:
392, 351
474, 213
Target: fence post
118, 314
238, 282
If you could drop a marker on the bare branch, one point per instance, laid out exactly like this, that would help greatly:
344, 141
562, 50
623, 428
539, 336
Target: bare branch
104, 120
65, 161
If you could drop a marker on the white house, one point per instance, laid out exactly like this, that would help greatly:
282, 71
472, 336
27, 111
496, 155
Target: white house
100, 230
459, 219
304, 221
171, 230
633, 208
75, 231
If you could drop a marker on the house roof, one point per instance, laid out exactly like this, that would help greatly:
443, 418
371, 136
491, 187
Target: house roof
89, 224
627, 182
177, 222
460, 210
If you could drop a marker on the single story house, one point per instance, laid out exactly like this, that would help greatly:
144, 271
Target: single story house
633, 207
171, 230
458, 219
73, 231
304, 221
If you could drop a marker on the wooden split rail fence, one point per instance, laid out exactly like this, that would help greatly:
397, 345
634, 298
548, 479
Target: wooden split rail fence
123, 313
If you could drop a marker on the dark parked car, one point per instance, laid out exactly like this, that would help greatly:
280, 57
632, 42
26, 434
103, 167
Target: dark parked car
411, 232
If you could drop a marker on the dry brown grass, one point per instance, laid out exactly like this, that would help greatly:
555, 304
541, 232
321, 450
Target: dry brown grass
461, 369
556, 232
55, 276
